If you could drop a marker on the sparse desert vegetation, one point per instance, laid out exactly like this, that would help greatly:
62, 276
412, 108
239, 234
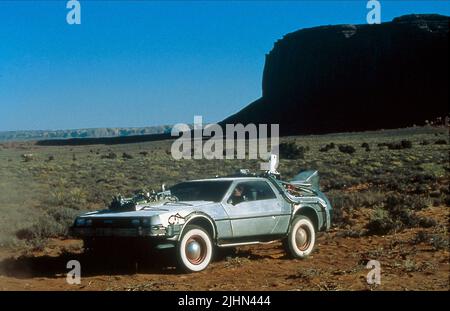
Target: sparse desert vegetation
389, 189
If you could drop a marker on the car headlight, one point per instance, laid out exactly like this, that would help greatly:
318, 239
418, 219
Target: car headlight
158, 230
89, 222
146, 222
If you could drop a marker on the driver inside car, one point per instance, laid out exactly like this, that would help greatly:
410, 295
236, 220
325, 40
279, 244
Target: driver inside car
238, 195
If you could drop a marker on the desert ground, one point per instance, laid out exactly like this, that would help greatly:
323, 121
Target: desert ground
389, 189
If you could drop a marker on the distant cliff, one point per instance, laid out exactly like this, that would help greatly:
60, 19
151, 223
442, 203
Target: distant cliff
82, 133
355, 77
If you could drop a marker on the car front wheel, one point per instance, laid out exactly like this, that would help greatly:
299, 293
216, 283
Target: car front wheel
194, 250
301, 238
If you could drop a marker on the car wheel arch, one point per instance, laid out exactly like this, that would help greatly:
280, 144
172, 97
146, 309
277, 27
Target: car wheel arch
201, 220
309, 212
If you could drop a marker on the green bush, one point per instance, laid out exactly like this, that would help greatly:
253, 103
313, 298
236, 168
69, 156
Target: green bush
327, 147
440, 142
346, 149
396, 215
380, 223
291, 151
45, 227
127, 156
75, 198
54, 223
365, 146
110, 155
404, 144
437, 241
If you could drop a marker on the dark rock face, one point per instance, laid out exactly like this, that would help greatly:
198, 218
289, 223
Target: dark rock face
355, 77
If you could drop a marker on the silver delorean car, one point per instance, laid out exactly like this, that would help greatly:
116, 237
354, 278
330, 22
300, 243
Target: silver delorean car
195, 217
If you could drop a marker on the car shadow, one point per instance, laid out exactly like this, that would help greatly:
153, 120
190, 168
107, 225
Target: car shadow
252, 255
92, 264
120, 261
252, 252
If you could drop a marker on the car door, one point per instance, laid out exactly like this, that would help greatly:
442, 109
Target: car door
257, 213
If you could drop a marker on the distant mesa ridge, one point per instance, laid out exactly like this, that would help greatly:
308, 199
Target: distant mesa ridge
104, 140
346, 78
91, 133
355, 77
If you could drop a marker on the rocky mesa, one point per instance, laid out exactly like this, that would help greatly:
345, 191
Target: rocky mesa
355, 77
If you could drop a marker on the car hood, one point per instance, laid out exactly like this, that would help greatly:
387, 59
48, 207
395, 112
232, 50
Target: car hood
146, 210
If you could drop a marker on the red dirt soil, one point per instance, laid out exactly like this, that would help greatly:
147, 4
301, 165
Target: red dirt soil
338, 263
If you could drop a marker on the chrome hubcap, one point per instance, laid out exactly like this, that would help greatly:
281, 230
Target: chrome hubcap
195, 250
302, 238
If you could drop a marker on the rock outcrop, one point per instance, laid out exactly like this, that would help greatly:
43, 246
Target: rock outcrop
355, 77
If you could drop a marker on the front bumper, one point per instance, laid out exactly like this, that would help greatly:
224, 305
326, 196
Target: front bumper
162, 232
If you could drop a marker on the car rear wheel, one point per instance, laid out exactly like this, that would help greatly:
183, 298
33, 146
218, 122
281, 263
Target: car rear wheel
194, 250
301, 239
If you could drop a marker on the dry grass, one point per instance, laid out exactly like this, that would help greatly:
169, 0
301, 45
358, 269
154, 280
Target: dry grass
40, 197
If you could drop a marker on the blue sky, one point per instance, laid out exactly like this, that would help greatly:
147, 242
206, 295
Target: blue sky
143, 63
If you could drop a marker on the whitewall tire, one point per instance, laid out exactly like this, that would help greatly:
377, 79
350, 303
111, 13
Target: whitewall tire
301, 238
194, 250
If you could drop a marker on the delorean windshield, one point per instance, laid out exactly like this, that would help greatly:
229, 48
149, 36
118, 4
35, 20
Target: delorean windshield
201, 190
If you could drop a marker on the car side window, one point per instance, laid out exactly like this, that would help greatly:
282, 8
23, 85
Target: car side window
251, 191
262, 190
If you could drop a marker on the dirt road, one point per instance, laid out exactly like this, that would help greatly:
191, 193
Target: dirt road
338, 263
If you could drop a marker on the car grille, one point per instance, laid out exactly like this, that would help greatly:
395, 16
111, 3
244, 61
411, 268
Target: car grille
112, 223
